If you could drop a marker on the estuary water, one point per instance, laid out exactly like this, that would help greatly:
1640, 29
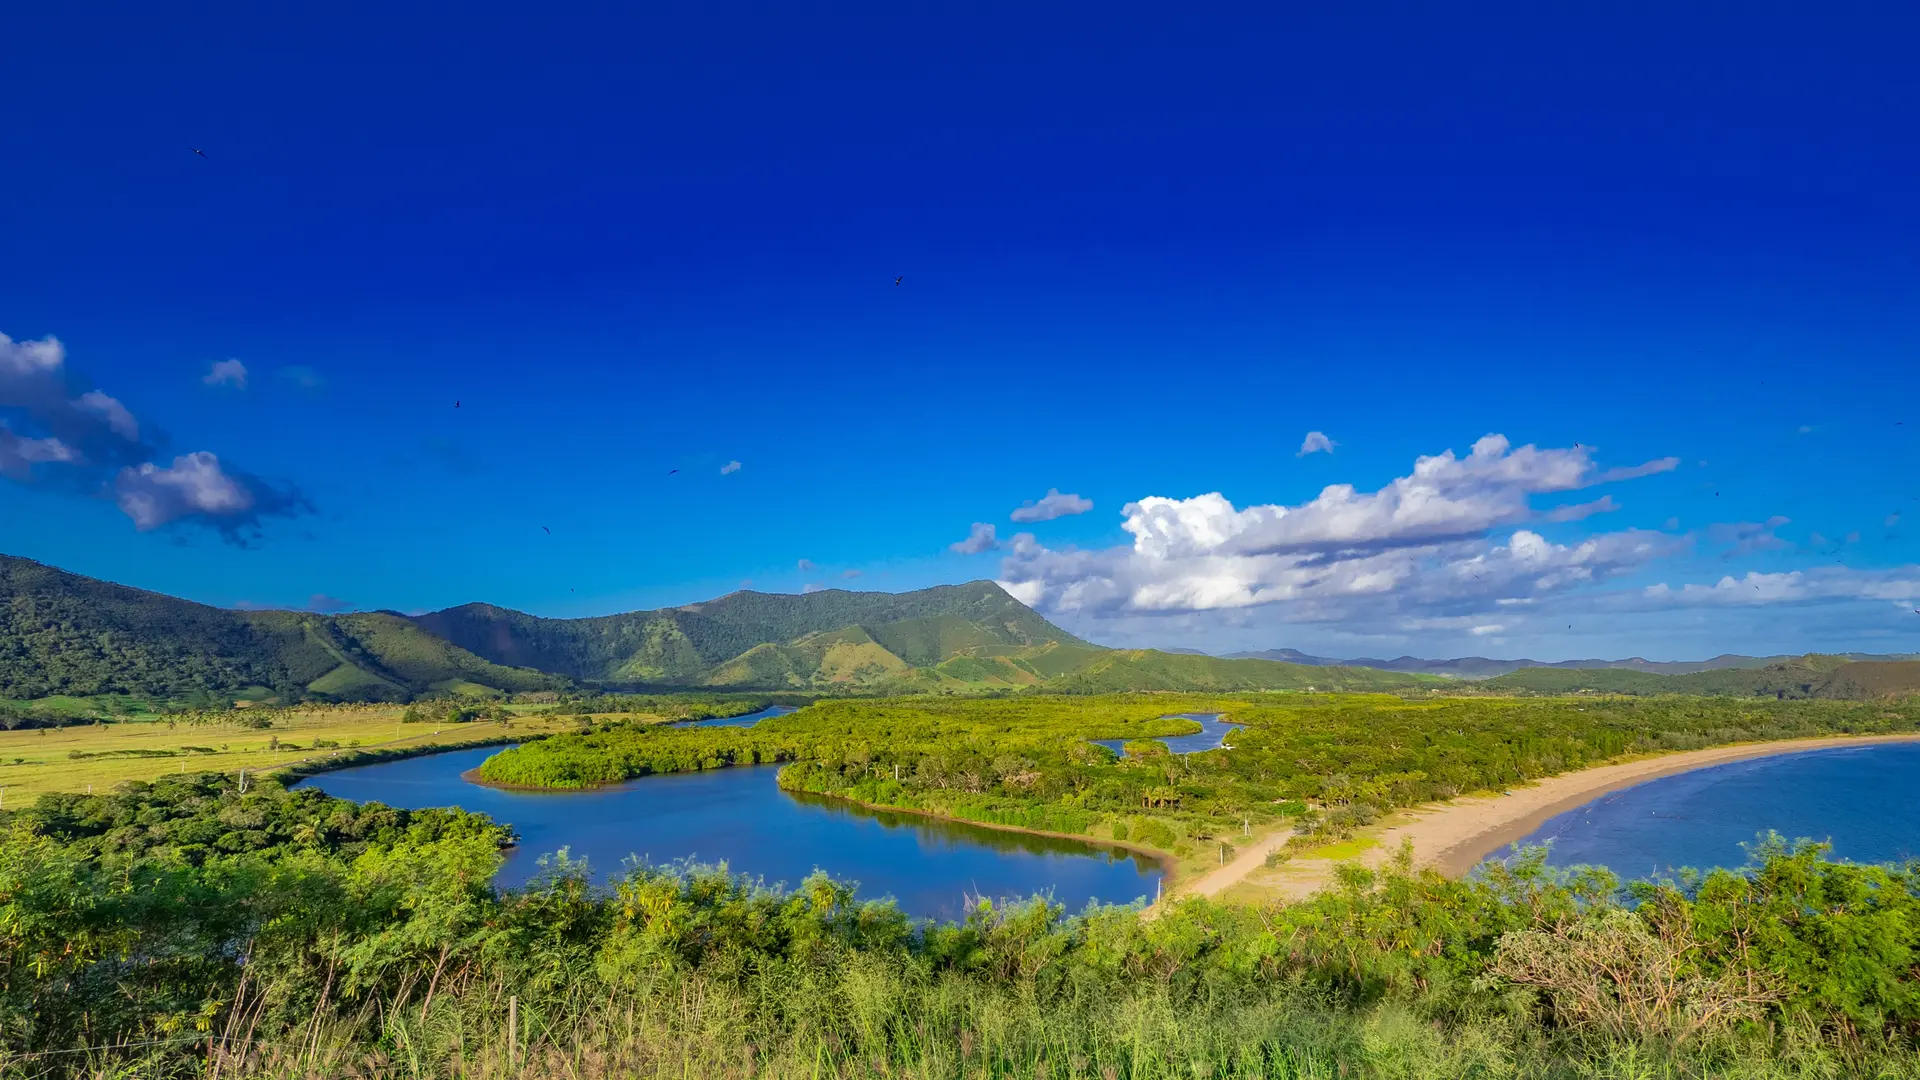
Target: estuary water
1211, 736
1860, 798
740, 816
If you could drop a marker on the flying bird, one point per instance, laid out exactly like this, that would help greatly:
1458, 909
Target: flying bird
897, 280
670, 472
546, 530
199, 151
456, 404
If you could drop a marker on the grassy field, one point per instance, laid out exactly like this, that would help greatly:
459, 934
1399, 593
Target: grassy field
97, 757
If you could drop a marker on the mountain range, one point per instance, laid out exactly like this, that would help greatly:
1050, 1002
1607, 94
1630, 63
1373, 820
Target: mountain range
65, 634
1480, 667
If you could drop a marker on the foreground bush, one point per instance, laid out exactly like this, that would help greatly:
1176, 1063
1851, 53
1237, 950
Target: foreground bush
184, 929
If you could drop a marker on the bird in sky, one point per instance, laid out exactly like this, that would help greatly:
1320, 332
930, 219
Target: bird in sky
899, 279
456, 404
670, 472
546, 530
199, 151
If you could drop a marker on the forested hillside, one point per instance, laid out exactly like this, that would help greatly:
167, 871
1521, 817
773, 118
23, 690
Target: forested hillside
62, 633
1813, 676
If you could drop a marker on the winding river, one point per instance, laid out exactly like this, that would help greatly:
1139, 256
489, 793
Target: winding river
1211, 736
740, 816
1860, 798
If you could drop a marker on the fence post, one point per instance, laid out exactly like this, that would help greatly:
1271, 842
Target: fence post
513, 1031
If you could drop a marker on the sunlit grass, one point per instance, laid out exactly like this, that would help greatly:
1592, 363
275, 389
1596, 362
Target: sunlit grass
36, 761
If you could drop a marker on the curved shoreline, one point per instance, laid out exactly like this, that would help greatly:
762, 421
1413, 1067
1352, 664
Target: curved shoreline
1456, 836
1168, 863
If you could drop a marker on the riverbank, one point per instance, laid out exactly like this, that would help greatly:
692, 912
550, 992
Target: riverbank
1169, 864
1455, 836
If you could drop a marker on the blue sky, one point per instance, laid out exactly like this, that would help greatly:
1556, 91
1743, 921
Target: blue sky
1141, 261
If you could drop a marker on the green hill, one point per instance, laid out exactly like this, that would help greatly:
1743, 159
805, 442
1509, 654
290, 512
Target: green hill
675, 645
1812, 676
64, 634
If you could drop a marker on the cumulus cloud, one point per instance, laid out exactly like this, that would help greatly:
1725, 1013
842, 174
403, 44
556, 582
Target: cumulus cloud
226, 373
18, 456
980, 538
1051, 505
88, 440
37, 386
118, 419
1425, 546
1316, 442
196, 487
805, 566
729, 467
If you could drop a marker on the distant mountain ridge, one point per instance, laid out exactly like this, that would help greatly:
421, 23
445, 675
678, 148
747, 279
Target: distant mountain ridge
1480, 667
65, 634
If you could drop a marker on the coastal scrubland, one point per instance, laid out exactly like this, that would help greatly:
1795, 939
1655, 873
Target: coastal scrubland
184, 929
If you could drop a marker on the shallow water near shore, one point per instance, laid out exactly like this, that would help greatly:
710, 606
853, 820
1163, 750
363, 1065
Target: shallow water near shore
741, 816
1859, 798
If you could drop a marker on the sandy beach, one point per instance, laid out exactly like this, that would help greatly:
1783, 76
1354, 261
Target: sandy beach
1455, 836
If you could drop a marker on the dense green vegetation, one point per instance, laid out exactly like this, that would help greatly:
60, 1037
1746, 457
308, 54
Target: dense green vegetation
678, 645
186, 929
1029, 761
63, 634
1814, 676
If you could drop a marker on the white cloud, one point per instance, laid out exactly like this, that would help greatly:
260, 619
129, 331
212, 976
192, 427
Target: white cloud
193, 485
730, 467
804, 565
34, 380
1485, 628
811, 587
27, 359
1050, 506
1897, 585
18, 456
1583, 511
849, 574
980, 538
119, 420
1424, 547
96, 443
226, 373
1316, 442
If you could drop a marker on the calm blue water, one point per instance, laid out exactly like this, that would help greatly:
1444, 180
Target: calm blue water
741, 721
740, 816
1211, 736
1860, 798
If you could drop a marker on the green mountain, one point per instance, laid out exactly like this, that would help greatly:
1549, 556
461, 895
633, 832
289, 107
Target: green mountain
754, 638
62, 633
1811, 676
